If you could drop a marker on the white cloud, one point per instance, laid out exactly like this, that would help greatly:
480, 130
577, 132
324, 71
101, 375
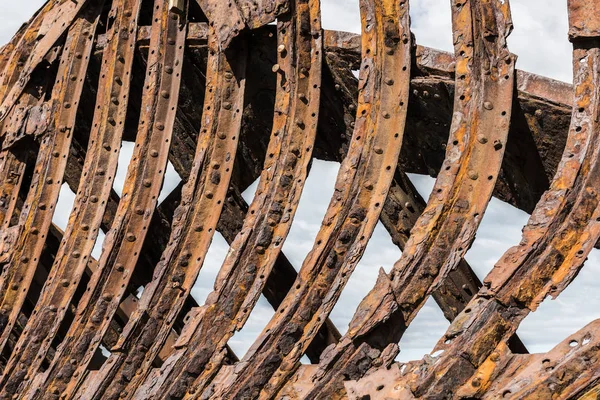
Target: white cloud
14, 14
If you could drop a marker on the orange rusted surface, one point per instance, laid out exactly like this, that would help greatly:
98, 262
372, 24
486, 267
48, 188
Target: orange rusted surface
233, 91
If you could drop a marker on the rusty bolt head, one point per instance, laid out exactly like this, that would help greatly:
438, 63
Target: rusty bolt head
228, 75
64, 283
168, 69
482, 139
119, 267
276, 68
85, 227
281, 49
488, 105
389, 82
165, 94
130, 237
139, 211
227, 106
171, 41
153, 153
473, 175
76, 254
114, 99
106, 146
147, 183
160, 126
495, 356
56, 154
94, 199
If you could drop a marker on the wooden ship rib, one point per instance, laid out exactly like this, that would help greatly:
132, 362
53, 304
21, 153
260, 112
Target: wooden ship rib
231, 91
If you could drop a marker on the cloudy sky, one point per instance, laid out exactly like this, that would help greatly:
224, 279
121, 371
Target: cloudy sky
540, 41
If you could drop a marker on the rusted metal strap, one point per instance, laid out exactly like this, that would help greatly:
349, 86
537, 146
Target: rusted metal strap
447, 227
483, 99
37, 42
123, 244
230, 17
12, 168
22, 45
255, 250
195, 220
144, 179
42, 198
94, 190
584, 19
560, 233
362, 186
27, 118
6, 53
565, 372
